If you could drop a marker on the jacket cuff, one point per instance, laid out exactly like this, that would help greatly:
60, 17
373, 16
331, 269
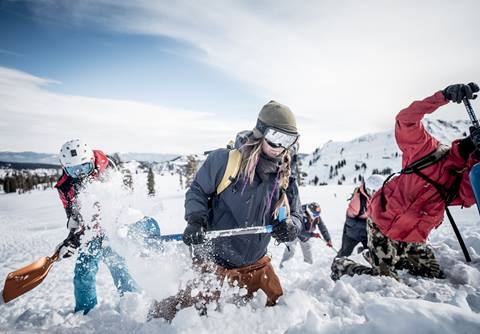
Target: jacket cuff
198, 218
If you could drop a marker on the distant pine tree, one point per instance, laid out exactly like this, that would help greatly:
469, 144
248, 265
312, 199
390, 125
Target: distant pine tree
151, 182
190, 169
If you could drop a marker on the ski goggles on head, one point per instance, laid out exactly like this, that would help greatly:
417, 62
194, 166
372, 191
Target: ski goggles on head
78, 170
276, 138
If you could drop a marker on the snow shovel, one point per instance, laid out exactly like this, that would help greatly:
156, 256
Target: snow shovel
27, 278
474, 175
231, 232
223, 233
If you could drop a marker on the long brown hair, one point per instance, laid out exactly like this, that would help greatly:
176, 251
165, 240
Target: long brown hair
250, 154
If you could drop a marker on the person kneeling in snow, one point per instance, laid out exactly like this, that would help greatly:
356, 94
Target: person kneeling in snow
311, 220
263, 186
355, 228
404, 212
80, 165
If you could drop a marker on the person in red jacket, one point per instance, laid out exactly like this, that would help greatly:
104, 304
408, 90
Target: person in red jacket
82, 165
404, 212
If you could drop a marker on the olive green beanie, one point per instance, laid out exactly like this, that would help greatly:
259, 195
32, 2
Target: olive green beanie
277, 116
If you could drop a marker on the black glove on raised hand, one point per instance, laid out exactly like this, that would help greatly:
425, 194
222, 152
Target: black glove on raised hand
285, 230
194, 232
456, 93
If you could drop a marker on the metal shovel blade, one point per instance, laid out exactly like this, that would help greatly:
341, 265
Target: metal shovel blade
27, 278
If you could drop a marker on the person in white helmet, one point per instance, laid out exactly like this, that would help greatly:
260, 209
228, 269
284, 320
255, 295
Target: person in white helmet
81, 164
355, 228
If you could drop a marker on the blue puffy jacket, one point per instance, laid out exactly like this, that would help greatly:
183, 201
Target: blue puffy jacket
234, 208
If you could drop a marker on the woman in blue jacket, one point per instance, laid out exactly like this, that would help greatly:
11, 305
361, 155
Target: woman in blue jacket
263, 185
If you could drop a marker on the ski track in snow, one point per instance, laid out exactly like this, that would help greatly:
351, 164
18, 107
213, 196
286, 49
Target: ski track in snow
33, 224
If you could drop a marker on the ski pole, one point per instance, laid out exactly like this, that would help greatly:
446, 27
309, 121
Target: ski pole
471, 112
318, 236
474, 175
474, 178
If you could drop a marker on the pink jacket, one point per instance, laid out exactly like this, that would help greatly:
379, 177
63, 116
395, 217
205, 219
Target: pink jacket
354, 206
414, 207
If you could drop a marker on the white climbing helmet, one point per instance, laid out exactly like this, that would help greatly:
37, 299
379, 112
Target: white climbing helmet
77, 158
75, 152
373, 183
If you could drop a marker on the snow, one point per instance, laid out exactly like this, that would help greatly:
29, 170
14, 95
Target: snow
33, 224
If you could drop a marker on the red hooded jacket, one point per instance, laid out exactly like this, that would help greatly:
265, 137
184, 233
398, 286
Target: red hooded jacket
414, 206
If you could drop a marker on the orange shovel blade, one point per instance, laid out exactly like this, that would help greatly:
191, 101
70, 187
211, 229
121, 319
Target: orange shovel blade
25, 279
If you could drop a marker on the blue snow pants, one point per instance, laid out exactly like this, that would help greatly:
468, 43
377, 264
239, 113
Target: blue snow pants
86, 269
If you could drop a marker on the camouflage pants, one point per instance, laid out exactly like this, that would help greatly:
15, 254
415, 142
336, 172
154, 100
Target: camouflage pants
387, 256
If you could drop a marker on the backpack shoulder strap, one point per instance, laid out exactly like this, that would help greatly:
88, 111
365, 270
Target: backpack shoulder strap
415, 167
231, 172
427, 160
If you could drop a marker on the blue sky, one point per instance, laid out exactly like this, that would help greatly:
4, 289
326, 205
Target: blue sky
89, 61
185, 76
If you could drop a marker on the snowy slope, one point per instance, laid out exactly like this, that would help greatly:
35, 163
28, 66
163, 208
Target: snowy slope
377, 151
152, 157
32, 224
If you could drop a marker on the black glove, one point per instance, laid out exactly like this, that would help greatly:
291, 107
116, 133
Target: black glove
456, 93
68, 246
194, 232
285, 230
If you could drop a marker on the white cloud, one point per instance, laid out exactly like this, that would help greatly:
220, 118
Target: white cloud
33, 118
344, 67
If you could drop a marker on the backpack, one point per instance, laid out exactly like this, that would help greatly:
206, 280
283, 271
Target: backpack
447, 194
422, 163
231, 172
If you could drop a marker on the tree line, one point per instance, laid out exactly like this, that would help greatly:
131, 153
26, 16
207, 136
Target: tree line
23, 181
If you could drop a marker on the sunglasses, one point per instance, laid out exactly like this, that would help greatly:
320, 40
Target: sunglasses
78, 170
276, 138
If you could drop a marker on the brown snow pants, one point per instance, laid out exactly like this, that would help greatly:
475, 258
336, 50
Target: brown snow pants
257, 276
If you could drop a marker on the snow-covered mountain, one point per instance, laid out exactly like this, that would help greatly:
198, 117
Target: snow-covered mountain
151, 157
344, 162
173, 166
29, 157
51, 158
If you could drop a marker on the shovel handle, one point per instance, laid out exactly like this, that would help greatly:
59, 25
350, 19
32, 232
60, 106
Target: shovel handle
55, 257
